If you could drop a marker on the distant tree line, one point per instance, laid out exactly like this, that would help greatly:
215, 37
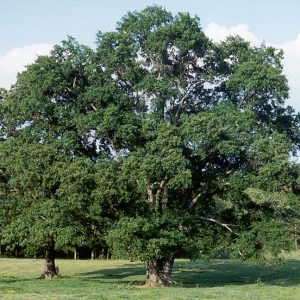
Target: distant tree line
156, 145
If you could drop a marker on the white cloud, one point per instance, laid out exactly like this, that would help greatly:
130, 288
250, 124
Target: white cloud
16, 60
291, 62
291, 65
219, 33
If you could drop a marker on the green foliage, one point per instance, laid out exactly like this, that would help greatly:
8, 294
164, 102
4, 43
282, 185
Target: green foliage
159, 142
153, 236
262, 240
213, 131
35, 208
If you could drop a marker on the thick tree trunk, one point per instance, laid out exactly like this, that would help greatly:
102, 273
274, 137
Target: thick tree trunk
50, 270
159, 272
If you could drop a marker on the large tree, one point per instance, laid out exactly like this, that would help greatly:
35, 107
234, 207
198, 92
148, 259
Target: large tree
208, 169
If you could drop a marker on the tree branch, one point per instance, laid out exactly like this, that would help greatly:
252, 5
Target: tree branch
194, 200
161, 186
220, 223
184, 97
74, 82
93, 107
150, 194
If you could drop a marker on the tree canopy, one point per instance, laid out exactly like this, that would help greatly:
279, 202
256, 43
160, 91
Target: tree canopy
159, 142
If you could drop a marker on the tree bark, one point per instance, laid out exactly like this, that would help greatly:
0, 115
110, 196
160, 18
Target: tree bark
159, 272
50, 270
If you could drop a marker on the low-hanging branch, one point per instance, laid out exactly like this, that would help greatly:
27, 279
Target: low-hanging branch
220, 223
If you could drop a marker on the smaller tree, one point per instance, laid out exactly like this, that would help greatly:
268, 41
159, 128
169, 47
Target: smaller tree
44, 193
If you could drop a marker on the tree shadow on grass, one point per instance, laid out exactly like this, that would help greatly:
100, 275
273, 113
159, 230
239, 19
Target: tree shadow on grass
128, 273
207, 274
12, 279
226, 272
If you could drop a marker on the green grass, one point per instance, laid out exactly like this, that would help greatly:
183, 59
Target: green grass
115, 279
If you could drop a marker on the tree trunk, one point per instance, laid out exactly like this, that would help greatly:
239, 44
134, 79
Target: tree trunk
102, 253
93, 254
50, 270
76, 254
108, 254
159, 272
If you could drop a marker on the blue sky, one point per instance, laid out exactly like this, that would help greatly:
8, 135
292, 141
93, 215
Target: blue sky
30, 27
24, 22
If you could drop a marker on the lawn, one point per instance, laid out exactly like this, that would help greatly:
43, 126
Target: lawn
116, 279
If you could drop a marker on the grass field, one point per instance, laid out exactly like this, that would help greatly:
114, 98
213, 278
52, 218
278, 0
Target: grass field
115, 279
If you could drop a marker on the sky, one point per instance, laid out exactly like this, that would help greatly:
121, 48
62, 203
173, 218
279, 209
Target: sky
31, 27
